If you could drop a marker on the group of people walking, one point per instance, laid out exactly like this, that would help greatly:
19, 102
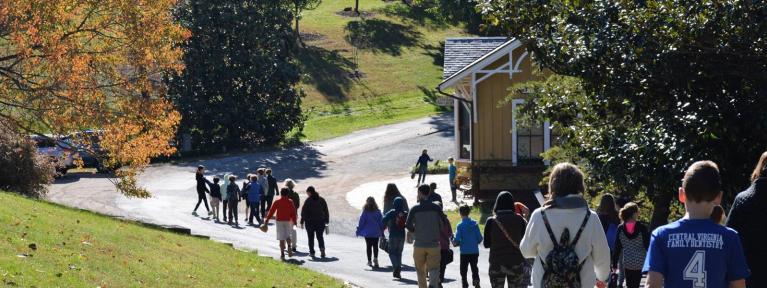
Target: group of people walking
561, 244
258, 192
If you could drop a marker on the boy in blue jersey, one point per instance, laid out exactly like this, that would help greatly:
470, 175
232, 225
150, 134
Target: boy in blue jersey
695, 252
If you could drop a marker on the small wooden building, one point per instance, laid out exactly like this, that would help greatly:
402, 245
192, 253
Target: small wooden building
498, 152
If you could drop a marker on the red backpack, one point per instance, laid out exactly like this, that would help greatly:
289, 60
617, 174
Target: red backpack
401, 220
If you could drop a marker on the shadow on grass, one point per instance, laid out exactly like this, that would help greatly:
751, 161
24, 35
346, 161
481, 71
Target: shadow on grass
381, 36
328, 71
436, 52
418, 15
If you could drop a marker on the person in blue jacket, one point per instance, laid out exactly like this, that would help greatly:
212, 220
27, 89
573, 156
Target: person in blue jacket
468, 237
394, 219
371, 227
254, 197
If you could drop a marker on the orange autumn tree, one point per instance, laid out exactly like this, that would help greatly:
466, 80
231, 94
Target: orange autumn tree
72, 65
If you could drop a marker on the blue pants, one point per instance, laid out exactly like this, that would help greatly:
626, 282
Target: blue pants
254, 212
395, 251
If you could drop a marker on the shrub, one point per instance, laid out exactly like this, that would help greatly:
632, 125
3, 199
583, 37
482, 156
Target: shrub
22, 169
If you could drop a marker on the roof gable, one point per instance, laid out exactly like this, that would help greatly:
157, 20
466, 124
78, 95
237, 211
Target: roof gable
460, 52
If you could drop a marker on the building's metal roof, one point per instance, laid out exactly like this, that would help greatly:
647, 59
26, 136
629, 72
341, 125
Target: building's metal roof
460, 52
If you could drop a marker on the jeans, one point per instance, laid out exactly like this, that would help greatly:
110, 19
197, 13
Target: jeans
395, 251
254, 213
468, 260
422, 169
427, 260
371, 245
453, 189
201, 199
266, 204
318, 231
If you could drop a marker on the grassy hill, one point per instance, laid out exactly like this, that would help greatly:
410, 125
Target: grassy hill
45, 245
369, 70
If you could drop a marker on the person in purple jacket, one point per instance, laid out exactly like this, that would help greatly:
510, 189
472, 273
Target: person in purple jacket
371, 227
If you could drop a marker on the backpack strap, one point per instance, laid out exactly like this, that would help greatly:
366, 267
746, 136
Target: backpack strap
548, 229
506, 233
583, 225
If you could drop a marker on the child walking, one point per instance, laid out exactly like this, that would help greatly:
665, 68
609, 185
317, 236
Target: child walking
215, 196
631, 245
254, 197
695, 251
233, 192
468, 237
371, 227
285, 213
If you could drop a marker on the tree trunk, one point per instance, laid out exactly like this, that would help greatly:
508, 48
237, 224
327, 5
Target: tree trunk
357, 6
298, 33
661, 208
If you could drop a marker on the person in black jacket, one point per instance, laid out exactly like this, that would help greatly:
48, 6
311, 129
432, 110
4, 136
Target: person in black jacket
202, 188
315, 217
502, 235
747, 218
268, 196
631, 245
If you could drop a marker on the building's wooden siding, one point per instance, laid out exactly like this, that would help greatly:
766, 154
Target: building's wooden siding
492, 132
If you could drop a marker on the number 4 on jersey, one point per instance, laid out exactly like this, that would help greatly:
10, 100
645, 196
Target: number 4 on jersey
695, 270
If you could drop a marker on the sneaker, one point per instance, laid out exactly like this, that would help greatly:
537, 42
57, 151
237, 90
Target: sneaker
397, 273
290, 253
370, 264
322, 253
194, 213
375, 262
311, 254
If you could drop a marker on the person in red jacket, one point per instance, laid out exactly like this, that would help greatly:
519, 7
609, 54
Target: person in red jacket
286, 220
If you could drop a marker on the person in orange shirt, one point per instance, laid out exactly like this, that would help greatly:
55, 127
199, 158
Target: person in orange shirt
286, 220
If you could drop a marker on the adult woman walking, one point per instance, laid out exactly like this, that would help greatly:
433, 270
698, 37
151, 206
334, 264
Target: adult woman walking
391, 193
631, 245
502, 235
394, 220
608, 215
315, 217
747, 217
422, 166
371, 227
202, 188
579, 234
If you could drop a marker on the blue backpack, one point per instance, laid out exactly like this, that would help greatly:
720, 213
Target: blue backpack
612, 235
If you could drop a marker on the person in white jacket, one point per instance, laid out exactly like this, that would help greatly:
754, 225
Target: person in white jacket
566, 208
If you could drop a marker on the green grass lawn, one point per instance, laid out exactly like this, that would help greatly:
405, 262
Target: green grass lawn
455, 218
45, 245
397, 52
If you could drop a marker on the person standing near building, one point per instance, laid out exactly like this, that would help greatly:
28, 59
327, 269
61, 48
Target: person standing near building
422, 166
202, 188
315, 217
747, 217
395, 220
271, 190
631, 245
285, 214
424, 221
452, 173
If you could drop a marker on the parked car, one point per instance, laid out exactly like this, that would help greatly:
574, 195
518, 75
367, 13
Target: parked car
61, 155
89, 155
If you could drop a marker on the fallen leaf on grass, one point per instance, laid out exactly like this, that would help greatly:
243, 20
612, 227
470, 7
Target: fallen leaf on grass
24, 255
33, 246
86, 243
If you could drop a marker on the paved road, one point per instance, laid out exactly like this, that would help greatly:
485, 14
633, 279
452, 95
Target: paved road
335, 167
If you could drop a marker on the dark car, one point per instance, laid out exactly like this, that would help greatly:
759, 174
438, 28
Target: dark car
88, 148
58, 152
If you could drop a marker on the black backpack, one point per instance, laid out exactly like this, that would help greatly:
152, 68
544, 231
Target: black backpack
562, 269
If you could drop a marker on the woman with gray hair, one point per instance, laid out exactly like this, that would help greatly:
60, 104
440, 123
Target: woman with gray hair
290, 184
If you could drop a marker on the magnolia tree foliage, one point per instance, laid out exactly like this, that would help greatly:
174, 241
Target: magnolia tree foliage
645, 88
69, 65
239, 85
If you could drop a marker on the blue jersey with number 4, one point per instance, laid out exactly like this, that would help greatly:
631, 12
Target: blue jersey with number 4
696, 253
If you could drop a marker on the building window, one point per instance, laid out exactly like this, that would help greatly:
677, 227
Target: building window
464, 131
528, 140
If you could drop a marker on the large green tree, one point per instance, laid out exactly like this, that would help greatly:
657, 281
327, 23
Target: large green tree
644, 88
239, 85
